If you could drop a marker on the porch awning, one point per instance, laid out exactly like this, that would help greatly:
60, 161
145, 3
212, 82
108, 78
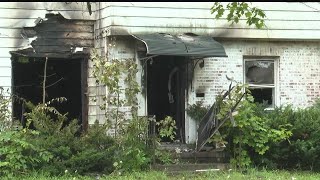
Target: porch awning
187, 44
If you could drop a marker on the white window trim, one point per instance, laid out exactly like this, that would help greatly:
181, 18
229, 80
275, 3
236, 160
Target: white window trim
276, 98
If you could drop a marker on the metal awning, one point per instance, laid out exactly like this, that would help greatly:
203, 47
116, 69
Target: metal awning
187, 44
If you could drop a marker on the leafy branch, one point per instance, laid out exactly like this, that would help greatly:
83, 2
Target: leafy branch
237, 10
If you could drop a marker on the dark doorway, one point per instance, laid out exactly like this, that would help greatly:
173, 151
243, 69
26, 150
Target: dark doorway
159, 104
64, 79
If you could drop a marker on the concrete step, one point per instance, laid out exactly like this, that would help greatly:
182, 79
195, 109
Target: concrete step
189, 167
174, 146
204, 157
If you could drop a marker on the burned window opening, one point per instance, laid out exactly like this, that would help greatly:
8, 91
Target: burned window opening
63, 80
260, 76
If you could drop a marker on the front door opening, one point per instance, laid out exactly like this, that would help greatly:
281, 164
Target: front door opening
63, 80
166, 82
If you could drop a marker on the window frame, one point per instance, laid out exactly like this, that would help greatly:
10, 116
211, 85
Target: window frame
275, 85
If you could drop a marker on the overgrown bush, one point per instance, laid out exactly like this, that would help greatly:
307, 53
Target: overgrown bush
253, 134
249, 133
197, 111
302, 150
18, 155
86, 153
132, 152
55, 146
167, 128
94, 151
166, 132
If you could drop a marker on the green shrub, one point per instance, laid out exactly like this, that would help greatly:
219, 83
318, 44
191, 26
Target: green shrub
94, 152
253, 134
87, 152
18, 155
167, 128
82, 153
132, 152
248, 133
197, 111
302, 149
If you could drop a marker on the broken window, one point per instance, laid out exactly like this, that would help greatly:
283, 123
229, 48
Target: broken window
260, 75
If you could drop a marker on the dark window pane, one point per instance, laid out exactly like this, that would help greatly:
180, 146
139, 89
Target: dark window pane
262, 95
259, 72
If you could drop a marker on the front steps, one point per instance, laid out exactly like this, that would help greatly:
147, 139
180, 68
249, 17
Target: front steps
191, 161
204, 157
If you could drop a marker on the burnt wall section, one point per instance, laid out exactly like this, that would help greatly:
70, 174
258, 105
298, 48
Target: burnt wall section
62, 41
58, 37
16, 15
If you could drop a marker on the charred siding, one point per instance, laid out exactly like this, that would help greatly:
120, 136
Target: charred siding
57, 37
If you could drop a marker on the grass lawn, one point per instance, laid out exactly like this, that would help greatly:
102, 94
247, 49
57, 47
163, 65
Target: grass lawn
153, 175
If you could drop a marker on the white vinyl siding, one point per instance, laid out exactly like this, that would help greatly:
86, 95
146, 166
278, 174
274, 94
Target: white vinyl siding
285, 20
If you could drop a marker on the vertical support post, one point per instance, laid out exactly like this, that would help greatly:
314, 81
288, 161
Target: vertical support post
44, 81
84, 93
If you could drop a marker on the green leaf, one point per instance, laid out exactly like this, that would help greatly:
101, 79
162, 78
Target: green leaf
253, 15
248, 14
220, 13
236, 19
245, 6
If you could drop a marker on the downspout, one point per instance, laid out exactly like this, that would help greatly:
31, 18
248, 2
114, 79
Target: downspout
106, 53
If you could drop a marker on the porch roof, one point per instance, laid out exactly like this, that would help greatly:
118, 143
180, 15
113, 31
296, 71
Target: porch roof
187, 44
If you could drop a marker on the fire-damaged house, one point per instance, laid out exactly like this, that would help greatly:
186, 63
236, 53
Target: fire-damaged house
183, 55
